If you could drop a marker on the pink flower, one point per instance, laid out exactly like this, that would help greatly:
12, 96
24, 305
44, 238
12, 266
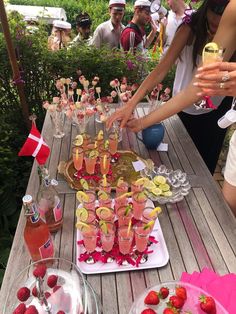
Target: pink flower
110, 99
84, 98
167, 90
113, 83
159, 86
46, 105
113, 94
123, 87
56, 100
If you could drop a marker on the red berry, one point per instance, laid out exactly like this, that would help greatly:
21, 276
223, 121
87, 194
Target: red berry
164, 292
152, 298
31, 310
207, 304
148, 311
35, 292
20, 309
176, 302
169, 311
61, 312
23, 294
52, 281
56, 288
181, 292
40, 271
47, 294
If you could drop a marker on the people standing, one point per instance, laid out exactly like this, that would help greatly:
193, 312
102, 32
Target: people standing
83, 27
60, 36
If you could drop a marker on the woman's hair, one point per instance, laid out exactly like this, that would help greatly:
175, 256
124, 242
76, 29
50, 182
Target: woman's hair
199, 25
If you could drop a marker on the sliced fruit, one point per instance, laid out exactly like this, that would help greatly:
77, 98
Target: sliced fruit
103, 195
82, 214
120, 181
164, 187
100, 135
210, 48
79, 140
128, 209
167, 193
82, 226
159, 180
82, 196
149, 225
106, 144
93, 154
156, 191
149, 185
127, 194
84, 184
103, 212
141, 196
154, 211
103, 226
141, 181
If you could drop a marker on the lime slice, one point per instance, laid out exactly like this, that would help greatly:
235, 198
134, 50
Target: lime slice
103, 195
149, 225
167, 193
127, 210
164, 187
93, 154
154, 211
159, 180
82, 226
82, 214
103, 212
128, 194
79, 140
156, 191
149, 185
103, 226
81, 196
100, 135
120, 181
106, 144
84, 184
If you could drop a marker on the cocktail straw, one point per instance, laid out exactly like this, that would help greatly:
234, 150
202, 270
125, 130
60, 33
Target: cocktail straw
105, 180
76, 154
129, 227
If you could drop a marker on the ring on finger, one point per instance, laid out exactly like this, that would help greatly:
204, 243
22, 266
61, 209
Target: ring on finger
222, 85
225, 77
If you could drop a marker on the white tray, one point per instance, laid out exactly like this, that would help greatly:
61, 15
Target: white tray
158, 258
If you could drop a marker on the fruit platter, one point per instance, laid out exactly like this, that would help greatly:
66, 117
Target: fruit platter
176, 298
165, 185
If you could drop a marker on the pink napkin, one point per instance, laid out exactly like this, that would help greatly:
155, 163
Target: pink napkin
222, 288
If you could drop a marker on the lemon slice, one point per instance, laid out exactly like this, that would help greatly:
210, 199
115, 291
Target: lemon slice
164, 187
156, 191
79, 140
81, 196
82, 226
127, 210
167, 193
159, 180
141, 181
84, 184
103, 226
154, 211
93, 154
120, 181
103, 212
149, 225
82, 214
103, 195
128, 194
100, 135
149, 185
106, 144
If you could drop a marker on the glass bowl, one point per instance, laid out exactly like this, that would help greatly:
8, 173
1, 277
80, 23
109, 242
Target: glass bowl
71, 293
191, 305
178, 181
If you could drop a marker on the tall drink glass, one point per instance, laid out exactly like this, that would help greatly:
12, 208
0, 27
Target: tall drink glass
89, 234
90, 203
90, 161
125, 239
104, 159
78, 157
107, 236
139, 203
113, 143
124, 215
141, 235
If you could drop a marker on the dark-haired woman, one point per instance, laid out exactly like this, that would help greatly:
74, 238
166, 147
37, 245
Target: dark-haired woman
186, 47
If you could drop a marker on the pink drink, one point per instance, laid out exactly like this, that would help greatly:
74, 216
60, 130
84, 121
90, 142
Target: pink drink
91, 217
106, 215
106, 187
120, 201
100, 145
147, 216
124, 217
122, 188
139, 203
107, 238
90, 162
105, 159
90, 237
105, 202
78, 157
113, 143
136, 187
125, 239
90, 204
141, 236
86, 140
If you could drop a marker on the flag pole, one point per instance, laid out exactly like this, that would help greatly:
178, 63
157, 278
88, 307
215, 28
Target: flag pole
14, 65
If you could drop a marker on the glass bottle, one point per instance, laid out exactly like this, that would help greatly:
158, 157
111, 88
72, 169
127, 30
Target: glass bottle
48, 202
36, 233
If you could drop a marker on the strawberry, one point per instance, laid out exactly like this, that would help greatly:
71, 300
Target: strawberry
47, 294
56, 288
35, 292
207, 304
176, 301
168, 310
31, 310
61, 312
20, 309
148, 311
52, 281
23, 294
152, 298
181, 292
40, 271
164, 292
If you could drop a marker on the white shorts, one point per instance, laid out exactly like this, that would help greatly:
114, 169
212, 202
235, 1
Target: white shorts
230, 168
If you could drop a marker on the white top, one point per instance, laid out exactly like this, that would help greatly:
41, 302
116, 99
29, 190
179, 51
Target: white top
106, 34
183, 76
230, 167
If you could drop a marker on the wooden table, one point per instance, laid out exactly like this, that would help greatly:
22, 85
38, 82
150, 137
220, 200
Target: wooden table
200, 231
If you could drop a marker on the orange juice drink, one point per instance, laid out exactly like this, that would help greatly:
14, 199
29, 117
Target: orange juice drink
139, 203
105, 159
113, 143
90, 202
124, 215
107, 230
90, 160
89, 234
141, 234
78, 157
125, 238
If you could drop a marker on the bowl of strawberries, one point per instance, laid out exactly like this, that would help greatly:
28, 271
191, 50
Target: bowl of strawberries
176, 298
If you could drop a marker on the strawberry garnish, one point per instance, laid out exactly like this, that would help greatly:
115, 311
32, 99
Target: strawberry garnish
47, 294
40, 271
176, 302
169, 311
163, 293
207, 304
152, 298
31, 310
52, 281
23, 294
56, 288
148, 311
181, 292
61, 312
20, 309
35, 292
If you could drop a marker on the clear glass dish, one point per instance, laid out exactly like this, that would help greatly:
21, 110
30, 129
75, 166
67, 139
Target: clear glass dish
191, 305
178, 181
71, 294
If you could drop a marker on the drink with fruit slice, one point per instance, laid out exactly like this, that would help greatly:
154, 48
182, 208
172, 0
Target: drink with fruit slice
125, 238
90, 160
107, 230
120, 201
104, 199
150, 213
113, 143
141, 234
137, 186
89, 233
124, 214
105, 159
87, 216
121, 187
78, 157
139, 203
106, 214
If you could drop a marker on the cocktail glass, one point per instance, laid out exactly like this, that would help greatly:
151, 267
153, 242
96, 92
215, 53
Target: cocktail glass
125, 238
105, 159
90, 159
90, 219
149, 214
58, 122
122, 188
124, 214
89, 234
113, 143
105, 201
139, 203
120, 201
136, 187
106, 214
90, 203
141, 234
107, 236
105, 186
78, 157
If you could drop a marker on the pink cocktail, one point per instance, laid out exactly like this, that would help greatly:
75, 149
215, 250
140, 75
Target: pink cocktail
113, 143
125, 238
78, 157
86, 140
149, 214
105, 186
139, 203
120, 201
136, 187
105, 201
106, 214
90, 161
90, 219
107, 236
89, 234
90, 203
122, 188
104, 159
124, 215
141, 234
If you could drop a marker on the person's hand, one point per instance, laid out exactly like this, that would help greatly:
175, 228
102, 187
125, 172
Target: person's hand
217, 78
153, 25
122, 114
135, 125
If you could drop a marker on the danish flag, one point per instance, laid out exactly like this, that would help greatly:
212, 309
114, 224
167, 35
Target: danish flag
35, 146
